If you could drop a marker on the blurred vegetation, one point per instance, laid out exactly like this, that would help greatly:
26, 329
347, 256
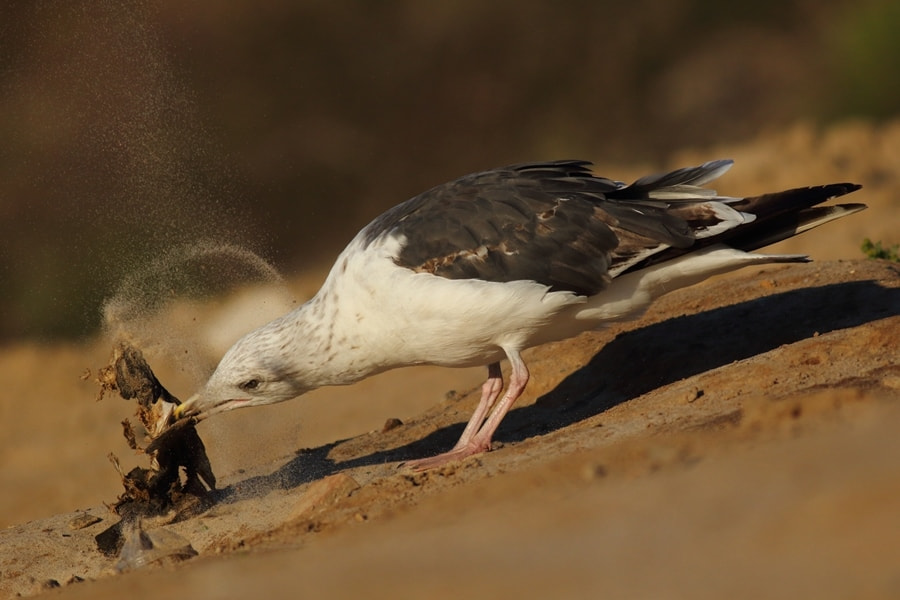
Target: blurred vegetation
878, 251
132, 128
864, 51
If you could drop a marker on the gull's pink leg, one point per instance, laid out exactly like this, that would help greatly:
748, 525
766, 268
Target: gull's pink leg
481, 441
517, 382
489, 393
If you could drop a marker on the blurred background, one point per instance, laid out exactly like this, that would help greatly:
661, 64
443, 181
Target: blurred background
128, 129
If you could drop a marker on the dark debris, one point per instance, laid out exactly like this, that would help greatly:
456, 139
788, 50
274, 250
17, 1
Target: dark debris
180, 478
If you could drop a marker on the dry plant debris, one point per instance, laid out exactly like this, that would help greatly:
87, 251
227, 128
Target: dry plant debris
179, 481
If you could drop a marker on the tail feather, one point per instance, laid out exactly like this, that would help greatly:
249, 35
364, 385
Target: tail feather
770, 218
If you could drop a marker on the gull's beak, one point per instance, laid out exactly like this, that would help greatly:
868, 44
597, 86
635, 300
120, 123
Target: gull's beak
187, 408
198, 407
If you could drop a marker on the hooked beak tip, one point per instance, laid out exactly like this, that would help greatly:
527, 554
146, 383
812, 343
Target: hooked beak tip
186, 409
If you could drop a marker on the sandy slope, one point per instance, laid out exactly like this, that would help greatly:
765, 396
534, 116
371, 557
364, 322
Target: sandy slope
744, 432
741, 440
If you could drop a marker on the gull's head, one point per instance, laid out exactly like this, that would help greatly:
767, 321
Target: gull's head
257, 370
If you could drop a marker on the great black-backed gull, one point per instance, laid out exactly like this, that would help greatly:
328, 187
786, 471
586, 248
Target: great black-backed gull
480, 268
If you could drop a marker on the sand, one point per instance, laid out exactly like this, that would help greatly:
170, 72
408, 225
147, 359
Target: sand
740, 440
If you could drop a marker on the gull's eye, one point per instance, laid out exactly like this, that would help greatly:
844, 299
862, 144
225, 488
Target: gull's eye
250, 384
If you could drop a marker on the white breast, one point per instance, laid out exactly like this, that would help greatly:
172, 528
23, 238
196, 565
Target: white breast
409, 318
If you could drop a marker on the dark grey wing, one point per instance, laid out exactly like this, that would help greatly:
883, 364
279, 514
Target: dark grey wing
553, 223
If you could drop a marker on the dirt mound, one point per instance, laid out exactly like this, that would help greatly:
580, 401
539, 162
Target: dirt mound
743, 433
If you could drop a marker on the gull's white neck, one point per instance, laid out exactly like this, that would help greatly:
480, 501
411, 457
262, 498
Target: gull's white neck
332, 339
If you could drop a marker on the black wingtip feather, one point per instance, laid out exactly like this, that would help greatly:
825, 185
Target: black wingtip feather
787, 225
776, 203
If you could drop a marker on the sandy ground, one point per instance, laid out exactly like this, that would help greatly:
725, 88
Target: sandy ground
740, 440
